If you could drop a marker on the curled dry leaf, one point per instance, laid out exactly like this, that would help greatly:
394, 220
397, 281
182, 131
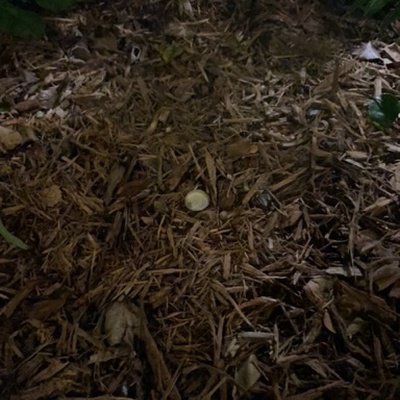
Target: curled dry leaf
248, 374
121, 323
356, 326
386, 276
367, 52
328, 322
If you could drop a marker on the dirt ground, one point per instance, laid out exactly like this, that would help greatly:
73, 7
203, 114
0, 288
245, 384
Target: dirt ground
285, 287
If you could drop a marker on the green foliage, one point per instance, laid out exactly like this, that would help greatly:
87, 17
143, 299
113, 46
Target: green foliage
10, 238
384, 110
55, 5
17, 21
386, 10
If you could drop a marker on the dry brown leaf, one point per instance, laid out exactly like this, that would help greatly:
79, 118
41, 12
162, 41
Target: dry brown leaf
378, 206
328, 322
393, 51
212, 171
51, 370
178, 170
348, 271
120, 323
248, 373
116, 174
9, 309
46, 308
356, 326
241, 149
318, 366
293, 213
48, 97
395, 290
80, 51
133, 188
317, 290
162, 375
108, 42
354, 301
51, 196
386, 276
9, 139
357, 155
27, 105
104, 355
395, 179
226, 197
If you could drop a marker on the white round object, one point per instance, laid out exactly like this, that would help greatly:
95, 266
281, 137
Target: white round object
197, 200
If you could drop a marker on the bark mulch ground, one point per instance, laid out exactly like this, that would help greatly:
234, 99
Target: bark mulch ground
285, 287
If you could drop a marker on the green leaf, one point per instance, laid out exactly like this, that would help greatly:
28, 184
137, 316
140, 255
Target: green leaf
391, 16
17, 22
55, 5
10, 238
374, 7
384, 110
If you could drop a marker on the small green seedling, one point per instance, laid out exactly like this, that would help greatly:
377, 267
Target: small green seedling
384, 110
17, 21
10, 238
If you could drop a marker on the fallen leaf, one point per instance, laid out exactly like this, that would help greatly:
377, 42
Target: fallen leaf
386, 276
46, 308
317, 290
393, 51
80, 51
121, 323
27, 105
357, 155
133, 188
355, 327
233, 348
108, 42
348, 271
9, 139
241, 149
328, 321
395, 290
54, 367
48, 97
104, 355
395, 179
116, 174
367, 52
354, 301
51, 196
293, 214
248, 374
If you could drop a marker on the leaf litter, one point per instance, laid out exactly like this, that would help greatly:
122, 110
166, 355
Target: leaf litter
284, 287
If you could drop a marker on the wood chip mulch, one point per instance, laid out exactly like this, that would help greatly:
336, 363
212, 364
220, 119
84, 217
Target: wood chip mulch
285, 287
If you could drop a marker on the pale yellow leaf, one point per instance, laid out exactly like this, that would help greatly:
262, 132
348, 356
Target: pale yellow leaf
51, 196
9, 139
248, 374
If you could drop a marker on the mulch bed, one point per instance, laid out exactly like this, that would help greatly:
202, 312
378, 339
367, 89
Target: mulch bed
285, 287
